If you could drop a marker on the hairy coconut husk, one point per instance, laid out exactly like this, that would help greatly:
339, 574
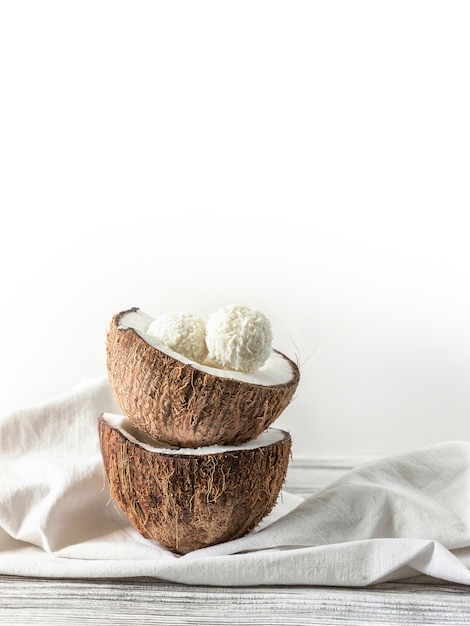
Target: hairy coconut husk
179, 404
186, 502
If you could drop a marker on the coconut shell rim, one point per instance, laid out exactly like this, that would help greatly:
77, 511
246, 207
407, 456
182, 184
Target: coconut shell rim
294, 381
285, 439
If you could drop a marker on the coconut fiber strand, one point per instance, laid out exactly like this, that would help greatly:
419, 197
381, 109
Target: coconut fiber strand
390, 519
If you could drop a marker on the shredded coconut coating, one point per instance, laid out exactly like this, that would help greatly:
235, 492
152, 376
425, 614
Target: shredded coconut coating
239, 338
183, 332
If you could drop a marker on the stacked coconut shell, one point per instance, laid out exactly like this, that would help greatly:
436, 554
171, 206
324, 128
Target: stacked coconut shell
193, 461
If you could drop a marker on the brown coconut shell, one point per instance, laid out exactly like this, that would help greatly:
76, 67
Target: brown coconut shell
178, 404
186, 502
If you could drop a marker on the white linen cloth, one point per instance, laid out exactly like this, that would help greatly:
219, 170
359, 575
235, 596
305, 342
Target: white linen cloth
400, 517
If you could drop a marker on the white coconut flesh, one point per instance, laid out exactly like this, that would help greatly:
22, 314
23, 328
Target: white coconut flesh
138, 437
276, 371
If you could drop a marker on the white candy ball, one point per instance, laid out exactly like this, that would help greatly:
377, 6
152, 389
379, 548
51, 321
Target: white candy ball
184, 333
239, 338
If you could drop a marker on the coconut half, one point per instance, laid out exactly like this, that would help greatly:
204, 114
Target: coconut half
188, 499
189, 404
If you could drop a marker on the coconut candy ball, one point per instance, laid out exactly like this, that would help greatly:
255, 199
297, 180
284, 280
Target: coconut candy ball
238, 338
183, 332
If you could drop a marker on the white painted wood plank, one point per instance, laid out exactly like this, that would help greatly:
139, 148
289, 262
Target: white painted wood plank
150, 602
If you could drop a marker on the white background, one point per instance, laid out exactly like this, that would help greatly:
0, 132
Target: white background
310, 159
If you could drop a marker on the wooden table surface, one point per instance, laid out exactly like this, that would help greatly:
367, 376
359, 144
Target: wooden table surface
142, 602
